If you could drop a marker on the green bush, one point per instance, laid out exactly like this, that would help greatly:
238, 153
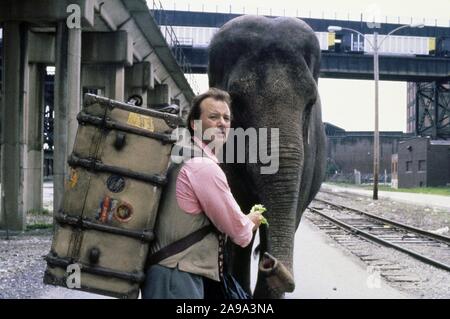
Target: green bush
43, 212
39, 226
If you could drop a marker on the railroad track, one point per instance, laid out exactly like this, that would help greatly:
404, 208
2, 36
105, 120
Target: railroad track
427, 247
334, 193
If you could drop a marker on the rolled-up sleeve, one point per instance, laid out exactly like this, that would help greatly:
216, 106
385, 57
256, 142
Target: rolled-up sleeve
202, 186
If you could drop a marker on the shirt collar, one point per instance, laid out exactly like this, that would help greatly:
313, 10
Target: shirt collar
205, 149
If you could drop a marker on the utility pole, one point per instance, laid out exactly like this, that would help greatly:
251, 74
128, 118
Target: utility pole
376, 132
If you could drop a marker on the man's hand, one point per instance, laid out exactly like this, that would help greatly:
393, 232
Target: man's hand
256, 218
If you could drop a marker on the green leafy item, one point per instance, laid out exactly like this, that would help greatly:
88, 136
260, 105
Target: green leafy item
260, 209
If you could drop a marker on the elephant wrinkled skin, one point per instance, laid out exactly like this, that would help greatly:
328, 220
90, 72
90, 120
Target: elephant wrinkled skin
270, 67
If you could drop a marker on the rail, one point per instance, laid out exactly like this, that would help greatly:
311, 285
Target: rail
372, 222
174, 44
423, 232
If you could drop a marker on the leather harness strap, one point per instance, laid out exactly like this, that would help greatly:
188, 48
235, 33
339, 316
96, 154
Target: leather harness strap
179, 245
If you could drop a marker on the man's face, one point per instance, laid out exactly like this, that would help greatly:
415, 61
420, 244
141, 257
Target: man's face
215, 119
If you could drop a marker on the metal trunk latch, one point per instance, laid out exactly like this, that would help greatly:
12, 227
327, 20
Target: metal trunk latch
94, 255
120, 141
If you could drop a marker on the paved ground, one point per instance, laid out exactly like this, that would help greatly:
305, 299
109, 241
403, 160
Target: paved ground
63, 293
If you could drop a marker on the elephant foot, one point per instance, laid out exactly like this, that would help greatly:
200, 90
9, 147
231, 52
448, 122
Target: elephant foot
278, 279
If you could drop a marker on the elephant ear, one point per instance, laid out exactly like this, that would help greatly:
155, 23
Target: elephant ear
219, 60
311, 53
224, 51
215, 69
312, 60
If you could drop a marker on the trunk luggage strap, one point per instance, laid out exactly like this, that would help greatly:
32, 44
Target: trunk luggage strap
179, 245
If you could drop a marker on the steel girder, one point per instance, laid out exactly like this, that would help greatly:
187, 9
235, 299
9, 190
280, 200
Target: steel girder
433, 109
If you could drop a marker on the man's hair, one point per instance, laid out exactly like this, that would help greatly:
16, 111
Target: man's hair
195, 112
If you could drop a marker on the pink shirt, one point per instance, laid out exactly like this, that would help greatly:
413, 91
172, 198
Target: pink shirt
203, 187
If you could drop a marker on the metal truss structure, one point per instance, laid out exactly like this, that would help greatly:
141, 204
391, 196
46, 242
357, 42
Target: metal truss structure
433, 109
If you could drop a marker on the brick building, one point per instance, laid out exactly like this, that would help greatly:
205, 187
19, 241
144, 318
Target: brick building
422, 162
348, 151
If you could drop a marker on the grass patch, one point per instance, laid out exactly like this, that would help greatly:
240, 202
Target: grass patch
444, 190
421, 190
43, 212
39, 226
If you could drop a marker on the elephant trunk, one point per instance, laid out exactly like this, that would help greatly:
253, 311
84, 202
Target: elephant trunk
279, 193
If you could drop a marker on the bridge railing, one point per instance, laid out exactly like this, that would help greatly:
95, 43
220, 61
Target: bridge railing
371, 14
175, 45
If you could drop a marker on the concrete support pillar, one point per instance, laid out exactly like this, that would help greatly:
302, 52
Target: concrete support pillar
15, 75
74, 68
34, 139
118, 92
67, 103
138, 80
160, 95
105, 55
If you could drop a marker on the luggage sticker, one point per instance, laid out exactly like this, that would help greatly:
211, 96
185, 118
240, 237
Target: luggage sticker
115, 183
73, 178
105, 212
113, 208
141, 121
123, 212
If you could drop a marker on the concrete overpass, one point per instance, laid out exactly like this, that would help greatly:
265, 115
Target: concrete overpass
358, 66
333, 64
113, 48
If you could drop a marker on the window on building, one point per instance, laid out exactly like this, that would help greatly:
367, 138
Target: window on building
422, 166
409, 166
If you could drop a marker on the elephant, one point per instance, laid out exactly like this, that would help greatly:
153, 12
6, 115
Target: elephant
270, 67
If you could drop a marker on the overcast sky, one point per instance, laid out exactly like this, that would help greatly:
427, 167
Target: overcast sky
345, 103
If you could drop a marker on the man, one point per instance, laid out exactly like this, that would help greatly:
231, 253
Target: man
197, 194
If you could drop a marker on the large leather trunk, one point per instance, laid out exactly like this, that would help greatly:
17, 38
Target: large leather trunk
117, 169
